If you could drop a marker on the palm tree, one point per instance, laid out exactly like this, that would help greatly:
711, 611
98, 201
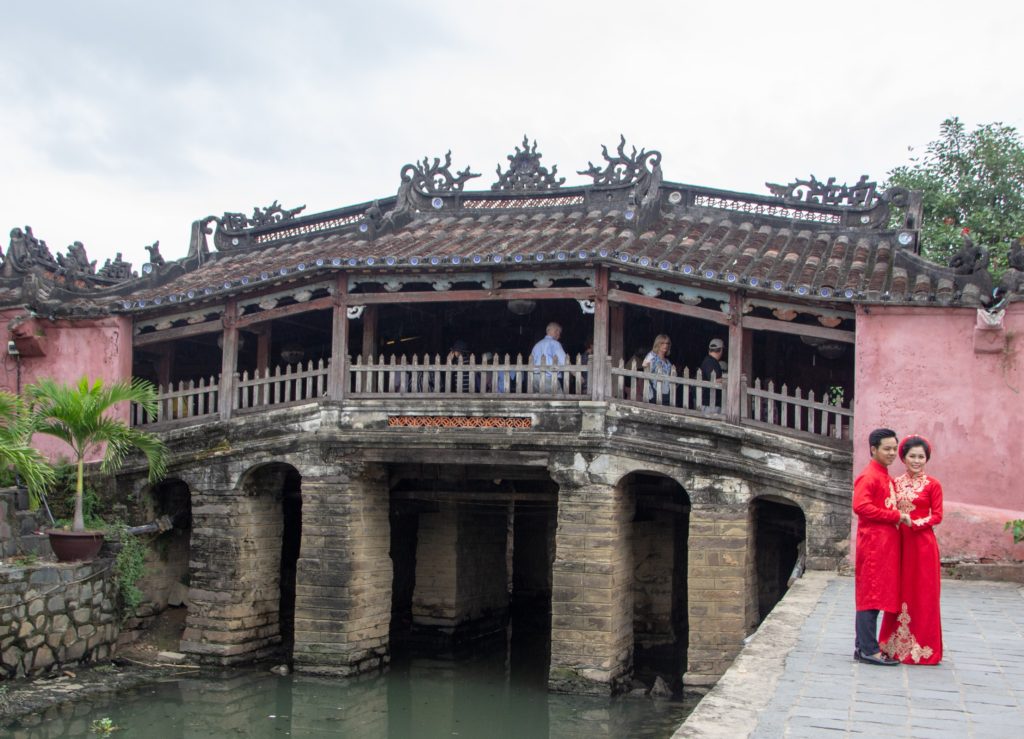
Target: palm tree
15, 451
76, 415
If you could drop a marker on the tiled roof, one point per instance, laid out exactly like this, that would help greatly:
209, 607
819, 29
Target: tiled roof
671, 232
692, 243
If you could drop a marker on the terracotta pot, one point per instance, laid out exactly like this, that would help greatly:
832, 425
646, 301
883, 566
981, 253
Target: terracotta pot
75, 546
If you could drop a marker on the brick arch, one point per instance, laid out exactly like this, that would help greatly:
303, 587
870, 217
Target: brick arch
780, 527
238, 543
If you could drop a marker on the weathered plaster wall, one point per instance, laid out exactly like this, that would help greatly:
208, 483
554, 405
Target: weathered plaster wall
918, 370
100, 350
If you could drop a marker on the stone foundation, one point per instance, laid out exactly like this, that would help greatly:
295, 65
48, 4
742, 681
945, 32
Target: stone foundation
343, 581
56, 615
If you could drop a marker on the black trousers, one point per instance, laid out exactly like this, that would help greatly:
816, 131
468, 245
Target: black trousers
866, 624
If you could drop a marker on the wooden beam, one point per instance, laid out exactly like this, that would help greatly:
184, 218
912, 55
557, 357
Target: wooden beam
288, 310
679, 309
178, 332
460, 296
800, 329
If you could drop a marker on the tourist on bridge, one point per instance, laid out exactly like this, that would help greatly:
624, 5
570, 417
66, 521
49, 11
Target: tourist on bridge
914, 636
548, 351
878, 546
711, 369
657, 362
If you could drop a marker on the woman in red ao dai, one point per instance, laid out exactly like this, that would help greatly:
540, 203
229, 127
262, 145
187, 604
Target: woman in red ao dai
914, 635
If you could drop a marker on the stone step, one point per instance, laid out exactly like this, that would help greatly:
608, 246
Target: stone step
38, 544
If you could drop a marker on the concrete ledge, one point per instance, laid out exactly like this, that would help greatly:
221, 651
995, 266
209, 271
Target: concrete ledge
732, 707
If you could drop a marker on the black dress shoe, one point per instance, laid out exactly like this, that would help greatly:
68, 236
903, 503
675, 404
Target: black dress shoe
881, 659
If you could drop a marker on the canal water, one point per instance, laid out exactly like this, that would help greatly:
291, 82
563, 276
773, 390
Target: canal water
489, 694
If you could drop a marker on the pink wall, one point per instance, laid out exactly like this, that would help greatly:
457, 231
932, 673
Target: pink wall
99, 350
918, 370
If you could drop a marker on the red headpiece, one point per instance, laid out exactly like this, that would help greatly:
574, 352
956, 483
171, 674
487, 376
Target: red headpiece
914, 437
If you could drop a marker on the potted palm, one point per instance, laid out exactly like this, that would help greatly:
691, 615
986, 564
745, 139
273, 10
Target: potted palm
16, 452
79, 415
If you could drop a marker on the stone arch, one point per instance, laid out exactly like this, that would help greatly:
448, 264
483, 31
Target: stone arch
166, 579
273, 541
245, 518
659, 554
780, 548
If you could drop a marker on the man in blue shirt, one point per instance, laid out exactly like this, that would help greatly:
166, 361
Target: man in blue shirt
548, 351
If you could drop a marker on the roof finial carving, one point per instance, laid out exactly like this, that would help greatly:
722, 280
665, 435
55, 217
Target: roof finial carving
623, 169
25, 252
267, 216
429, 178
525, 172
861, 194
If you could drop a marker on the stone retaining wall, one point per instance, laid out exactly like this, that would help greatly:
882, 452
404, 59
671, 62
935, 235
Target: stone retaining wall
56, 615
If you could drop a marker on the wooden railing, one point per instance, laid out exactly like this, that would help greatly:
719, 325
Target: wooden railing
492, 377
505, 378
630, 382
189, 399
793, 411
282, 385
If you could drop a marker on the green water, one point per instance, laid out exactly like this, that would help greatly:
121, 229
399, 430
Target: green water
485, 696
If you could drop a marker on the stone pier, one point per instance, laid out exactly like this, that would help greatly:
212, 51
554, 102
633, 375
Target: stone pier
592, 594
721, 588
235, 572
343, 582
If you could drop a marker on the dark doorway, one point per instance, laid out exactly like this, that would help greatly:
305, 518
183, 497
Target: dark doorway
291, 540
780, 531
660, 547
471, 549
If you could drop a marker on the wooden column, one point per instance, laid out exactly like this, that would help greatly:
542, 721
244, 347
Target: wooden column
599, 377
338, 370
617, 325
163, 367
369, 332
737, 347
263, 332
229, 361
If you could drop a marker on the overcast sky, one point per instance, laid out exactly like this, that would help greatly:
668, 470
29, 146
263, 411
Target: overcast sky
122, 122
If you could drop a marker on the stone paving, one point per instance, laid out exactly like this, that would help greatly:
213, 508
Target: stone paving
797, 678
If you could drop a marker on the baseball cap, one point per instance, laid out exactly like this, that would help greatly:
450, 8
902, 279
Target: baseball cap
716, 345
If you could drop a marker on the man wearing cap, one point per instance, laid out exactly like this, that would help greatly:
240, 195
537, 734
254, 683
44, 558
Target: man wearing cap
711, 369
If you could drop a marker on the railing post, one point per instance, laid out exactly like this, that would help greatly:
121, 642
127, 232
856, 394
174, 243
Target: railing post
229, 360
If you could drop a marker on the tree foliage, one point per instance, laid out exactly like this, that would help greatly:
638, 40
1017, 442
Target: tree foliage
969, 180
79, 416
15, 451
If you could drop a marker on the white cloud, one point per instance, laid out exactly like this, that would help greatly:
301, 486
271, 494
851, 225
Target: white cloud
124, 122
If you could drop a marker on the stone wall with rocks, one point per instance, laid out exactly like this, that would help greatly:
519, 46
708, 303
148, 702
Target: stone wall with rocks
56, 615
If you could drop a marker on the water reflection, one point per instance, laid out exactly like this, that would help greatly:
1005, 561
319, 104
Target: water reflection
480, 696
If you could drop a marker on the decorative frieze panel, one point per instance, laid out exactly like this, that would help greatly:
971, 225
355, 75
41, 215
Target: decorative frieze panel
162, 323
300, 294
461, 422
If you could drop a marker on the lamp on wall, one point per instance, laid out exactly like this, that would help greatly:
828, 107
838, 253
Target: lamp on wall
292, 353
521, 307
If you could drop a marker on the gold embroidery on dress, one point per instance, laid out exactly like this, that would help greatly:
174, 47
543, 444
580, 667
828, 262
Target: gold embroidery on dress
907, 490
902, 643
892, 501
